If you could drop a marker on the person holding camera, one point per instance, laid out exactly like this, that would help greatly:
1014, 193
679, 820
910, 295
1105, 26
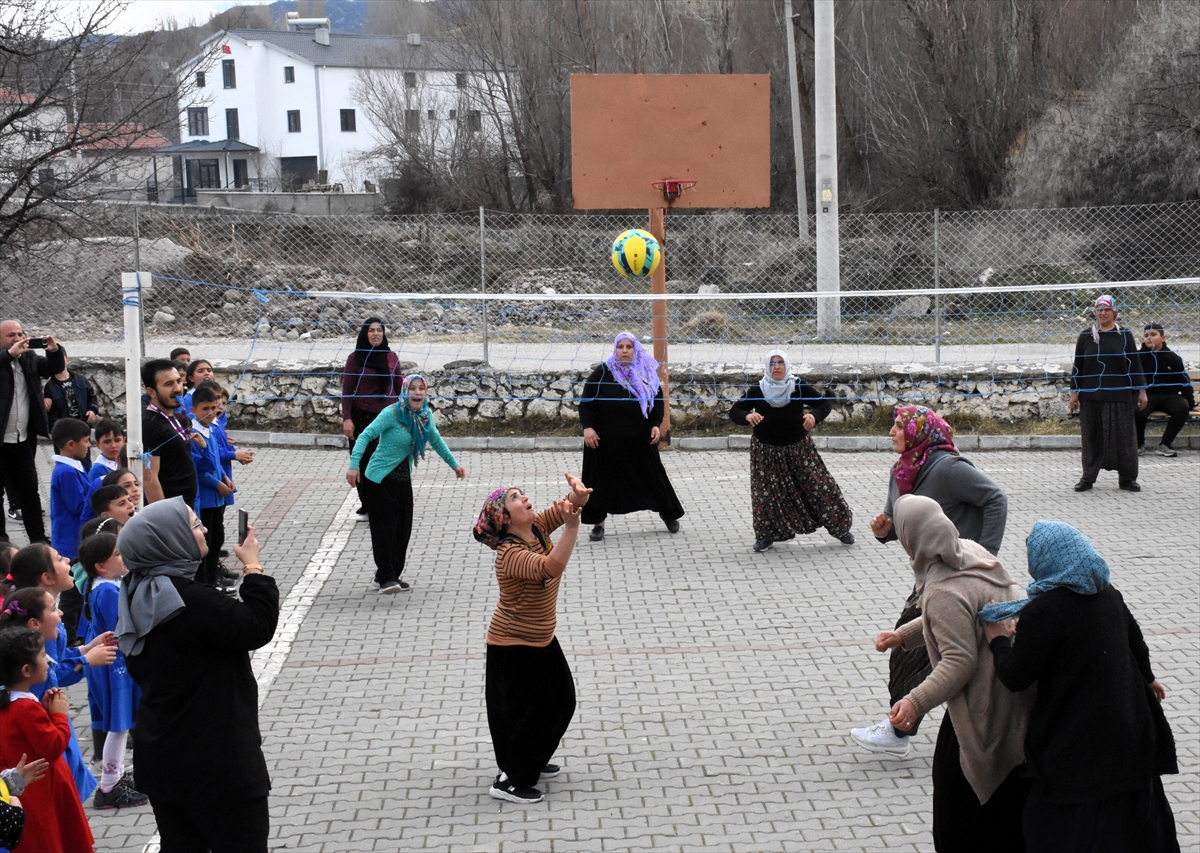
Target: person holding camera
23, 417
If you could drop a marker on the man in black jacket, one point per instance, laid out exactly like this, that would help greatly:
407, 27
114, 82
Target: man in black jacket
23, 418
1168, 388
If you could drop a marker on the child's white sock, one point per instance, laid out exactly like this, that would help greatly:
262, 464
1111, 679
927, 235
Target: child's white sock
114, 760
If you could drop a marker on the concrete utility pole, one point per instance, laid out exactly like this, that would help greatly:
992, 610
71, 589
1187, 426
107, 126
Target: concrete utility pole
828, 269
797, 139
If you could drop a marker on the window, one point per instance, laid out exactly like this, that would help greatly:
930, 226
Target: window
289, 74
293, 121
429, 115
241, 175
412, 121
348, 124
33, 134
200, 80
410, 79
453, 115
460, 80
209, 173
228, 74
231, 124
474, 121
197, 121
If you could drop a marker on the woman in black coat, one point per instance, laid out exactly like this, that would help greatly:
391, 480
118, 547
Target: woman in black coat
188, 647
1097, 739
621, 412
791, 490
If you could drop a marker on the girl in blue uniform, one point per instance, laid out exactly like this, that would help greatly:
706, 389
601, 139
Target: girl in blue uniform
111, 690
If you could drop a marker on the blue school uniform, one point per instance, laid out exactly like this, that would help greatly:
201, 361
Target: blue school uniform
63, 660
228, 452
112, 692
68, 504
185, 404
208, 469
100, 469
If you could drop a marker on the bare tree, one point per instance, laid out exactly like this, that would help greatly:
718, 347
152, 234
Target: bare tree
68, 87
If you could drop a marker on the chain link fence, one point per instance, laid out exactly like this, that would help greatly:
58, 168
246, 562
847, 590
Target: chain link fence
262, 285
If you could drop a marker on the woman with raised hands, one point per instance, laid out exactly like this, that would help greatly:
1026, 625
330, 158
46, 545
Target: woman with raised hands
621, 413
529, 688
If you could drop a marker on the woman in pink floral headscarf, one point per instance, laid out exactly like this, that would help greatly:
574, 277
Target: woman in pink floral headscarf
930, 466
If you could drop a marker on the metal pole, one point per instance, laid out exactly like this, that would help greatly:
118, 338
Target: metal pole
937, 297
828, 262
483, 280
658, 318
132, 285
137, 265
797, 139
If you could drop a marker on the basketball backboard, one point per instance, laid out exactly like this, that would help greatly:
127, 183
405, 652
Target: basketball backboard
628, 130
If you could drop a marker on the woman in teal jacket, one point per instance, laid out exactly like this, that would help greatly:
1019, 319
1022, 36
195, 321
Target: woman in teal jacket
403, 429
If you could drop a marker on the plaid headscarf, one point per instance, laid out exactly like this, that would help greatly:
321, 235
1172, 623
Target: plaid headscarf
489, 527
1059, 556
924, 432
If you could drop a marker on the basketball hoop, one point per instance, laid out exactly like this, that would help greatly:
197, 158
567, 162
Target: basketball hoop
672, 188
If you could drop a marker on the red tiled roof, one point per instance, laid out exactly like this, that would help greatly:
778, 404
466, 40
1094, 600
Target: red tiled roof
11, 96
109, 136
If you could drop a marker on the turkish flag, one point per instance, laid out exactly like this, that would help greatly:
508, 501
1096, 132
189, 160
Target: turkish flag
225, 49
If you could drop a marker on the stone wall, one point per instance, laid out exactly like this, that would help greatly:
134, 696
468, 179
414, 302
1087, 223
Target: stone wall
285, 397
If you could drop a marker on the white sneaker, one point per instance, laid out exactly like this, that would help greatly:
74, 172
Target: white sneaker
1163, 450
881, 738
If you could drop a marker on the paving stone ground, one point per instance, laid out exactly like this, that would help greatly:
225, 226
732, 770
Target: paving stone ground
715, 686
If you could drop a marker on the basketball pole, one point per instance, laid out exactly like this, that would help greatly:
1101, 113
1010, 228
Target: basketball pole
658, 319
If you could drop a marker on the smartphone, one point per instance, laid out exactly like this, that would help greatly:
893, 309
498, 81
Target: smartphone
243, 525
38, 343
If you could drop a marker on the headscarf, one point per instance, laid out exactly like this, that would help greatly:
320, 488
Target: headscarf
777, 392
366, 355
931, 540
639, 377
489, 527
155, 545
417, 423
1104, 301
1059, 556
924, 431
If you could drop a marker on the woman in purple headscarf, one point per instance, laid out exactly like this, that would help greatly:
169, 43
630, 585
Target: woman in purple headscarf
621, 411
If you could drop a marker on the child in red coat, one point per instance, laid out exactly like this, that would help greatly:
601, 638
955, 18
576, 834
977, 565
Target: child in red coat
54, 818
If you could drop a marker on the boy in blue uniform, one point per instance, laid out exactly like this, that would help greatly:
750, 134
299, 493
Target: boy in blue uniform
69, 485
214, 486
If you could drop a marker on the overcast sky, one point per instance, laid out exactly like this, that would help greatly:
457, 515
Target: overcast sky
144, 15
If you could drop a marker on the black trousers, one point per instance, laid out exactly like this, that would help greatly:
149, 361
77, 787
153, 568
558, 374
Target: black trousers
194, 826
530, 701
960, 823
907, 668
213, 520
20, 473
1177, 414
390, 507
362, 419
70, 602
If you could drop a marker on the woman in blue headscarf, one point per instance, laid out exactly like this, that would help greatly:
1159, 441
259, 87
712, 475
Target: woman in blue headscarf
621, 413
1098, 739
402, 429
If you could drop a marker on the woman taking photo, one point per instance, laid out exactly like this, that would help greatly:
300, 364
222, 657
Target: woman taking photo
529, 690
370, 383
399, 433
621, 412
188, 648
791, 491
1105, 381
930, 466
1077, 642
978, 787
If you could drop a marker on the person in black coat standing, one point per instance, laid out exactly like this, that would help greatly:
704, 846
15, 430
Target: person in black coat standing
188, 648
23, 419
1098, 739
621, 412
1105, 381
1170, 389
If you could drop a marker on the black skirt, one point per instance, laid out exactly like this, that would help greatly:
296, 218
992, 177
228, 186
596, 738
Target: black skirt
1108, 437
626, 474
1138, 820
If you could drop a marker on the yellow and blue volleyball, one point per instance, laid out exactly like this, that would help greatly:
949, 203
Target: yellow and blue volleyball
636, 253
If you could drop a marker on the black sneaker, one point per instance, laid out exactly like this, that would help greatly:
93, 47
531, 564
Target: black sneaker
762, 544
1131, 486
120, 797
389, 587
1083, 486
848, 539
672, 525
550, 771
15, 514
506, 790
405, 586
596, 534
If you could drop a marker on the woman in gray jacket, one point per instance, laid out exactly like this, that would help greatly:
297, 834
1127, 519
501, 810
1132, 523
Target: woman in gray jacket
930, 466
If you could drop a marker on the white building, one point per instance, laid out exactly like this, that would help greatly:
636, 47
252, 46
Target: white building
276, 110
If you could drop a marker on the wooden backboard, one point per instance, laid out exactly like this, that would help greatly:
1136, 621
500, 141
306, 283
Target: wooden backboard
630, 129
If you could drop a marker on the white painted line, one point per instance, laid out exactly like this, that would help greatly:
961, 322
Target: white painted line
269, 660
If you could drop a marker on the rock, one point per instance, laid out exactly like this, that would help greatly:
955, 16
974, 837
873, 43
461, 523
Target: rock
491, 409
542, 409
292, 335
913, 306
162, 318
212, 319
709, 288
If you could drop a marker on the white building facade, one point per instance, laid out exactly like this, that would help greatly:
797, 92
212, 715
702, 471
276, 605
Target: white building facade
284, 111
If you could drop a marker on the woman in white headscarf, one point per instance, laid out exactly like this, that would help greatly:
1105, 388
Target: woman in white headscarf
978, 787
791, 490
188, 648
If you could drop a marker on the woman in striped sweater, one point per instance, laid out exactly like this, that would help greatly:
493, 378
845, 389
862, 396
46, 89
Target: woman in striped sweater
529, 689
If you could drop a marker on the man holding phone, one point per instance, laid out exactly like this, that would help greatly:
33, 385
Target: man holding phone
23, 417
